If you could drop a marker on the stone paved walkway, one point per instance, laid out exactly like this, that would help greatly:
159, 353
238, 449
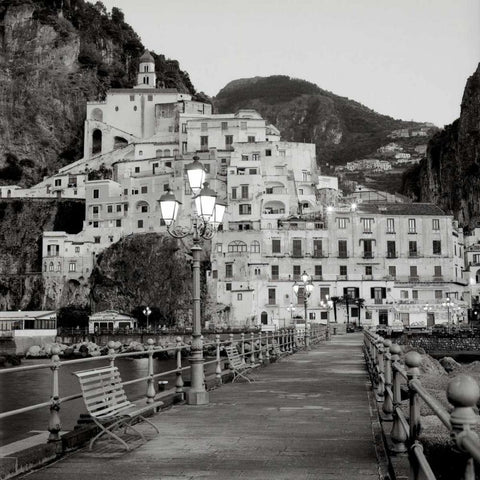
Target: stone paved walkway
306, 417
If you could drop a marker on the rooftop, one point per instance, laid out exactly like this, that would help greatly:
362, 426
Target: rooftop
401, 208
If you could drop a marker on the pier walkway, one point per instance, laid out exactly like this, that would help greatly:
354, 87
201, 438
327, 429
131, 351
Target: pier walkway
307, 416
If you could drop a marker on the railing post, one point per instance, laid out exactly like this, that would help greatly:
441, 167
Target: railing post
260, 353
463, 393
380, 368
150, 385
218, 368
111, 352
54, 425
397, 434
387, 402
280, 341
179, 380
413, 360
267, 348
242, 336
252, 350
290, 340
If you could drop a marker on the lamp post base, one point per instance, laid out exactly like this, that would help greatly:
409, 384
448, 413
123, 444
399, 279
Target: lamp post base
195, 397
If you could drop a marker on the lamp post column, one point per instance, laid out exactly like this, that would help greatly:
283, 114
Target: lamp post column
197, 395
307, 336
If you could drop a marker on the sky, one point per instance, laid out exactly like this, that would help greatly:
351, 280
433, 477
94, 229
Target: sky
409, 59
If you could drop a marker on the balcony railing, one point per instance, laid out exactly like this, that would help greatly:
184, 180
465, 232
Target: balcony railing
367, 254
319, 254
343, 255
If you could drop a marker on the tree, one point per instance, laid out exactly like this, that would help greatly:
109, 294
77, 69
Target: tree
73, 316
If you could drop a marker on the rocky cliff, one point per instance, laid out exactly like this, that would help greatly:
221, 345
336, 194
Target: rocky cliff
22, 223
450, 174
342, 129
54, 56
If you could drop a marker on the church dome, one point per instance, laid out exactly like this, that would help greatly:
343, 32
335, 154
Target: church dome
147, 57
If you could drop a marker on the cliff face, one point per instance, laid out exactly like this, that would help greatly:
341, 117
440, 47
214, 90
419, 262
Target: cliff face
21, 225
450, 174
342, 129
54, 56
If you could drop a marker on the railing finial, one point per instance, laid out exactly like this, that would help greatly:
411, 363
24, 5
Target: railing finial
463, 393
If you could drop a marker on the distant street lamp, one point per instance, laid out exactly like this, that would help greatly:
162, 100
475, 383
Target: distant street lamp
204, 224
448, 304
305, 288
147, 312
328, 305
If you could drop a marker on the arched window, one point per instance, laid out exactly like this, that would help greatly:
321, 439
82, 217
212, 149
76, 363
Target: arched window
9, 193
50, 267
97, 115
159, 152
145, 68
166, 152
96, 141
146, 80
143, 207
237, 246
44, 267
175, 152
119, 142
59, 266
255, 247
264, 318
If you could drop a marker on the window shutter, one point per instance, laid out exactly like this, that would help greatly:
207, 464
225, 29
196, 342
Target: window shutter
372, 292
384, 292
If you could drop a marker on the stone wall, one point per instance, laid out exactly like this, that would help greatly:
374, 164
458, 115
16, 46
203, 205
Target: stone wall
442, 344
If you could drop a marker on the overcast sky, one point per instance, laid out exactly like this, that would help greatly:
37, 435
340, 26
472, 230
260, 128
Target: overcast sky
406, 58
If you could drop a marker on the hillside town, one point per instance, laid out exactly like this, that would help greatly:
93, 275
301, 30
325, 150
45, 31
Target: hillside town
373, 258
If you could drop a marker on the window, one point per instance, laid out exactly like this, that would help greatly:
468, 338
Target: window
228, 286
204, 127
252, 171
132, 98
412, 226
415, 294
275, 272
367, 249
204, 142
276, 245
77, 249
218, 248
437, 247
239, 296
324, 293
184, 128
224, 125
234, 193
184, 147
268, 153
342, 222
255, 157
378, 293
96, 193
245, 209
317, 248
58, 182
368, 270
206, 167
228, 142
390, 225
97, 239
229, 270
237, 246
311, 315
244, 189
140, 223
404, 294
244, 158
367, 225
150, 98
95, 210
144, 208
110, 208
95, 224
343, 270
323, 315
405, 319
438, 294
110, 238
351, 292
251, 139
214, 274
119, 208
118, 223
255, 247
297, 248
342, 249
437, 271
59, 266
392, 271
125, 191
296, 272
413, 272
144, 189
318, 271
391, 249
137, 169
435, 224
272, 296
412, 249
243, 125
72, 267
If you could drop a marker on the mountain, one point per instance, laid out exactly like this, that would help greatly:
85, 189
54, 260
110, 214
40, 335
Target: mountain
55, 55
342, 129
450, 174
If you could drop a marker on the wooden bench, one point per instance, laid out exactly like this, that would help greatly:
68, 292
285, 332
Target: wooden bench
238, 366
107, 403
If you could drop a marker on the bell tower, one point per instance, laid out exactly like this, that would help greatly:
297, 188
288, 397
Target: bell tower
146, 77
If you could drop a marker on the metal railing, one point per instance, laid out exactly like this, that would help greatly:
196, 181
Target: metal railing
254, 347
389, 375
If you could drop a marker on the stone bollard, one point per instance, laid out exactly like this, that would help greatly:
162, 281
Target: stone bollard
218, 368
179, 380
463, 393
150, 383
387, 407
413, 360
380, 370
54, 424
111, 352
397, 434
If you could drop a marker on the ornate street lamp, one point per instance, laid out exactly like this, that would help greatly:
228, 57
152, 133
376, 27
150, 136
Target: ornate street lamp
147, 312
448, 304
328, 305
205, 222
307, 289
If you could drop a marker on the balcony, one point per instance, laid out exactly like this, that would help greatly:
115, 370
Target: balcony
413, 253
378, 301
297, 255
342, 277
392, 255
367, 254
319, 254
343, 255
